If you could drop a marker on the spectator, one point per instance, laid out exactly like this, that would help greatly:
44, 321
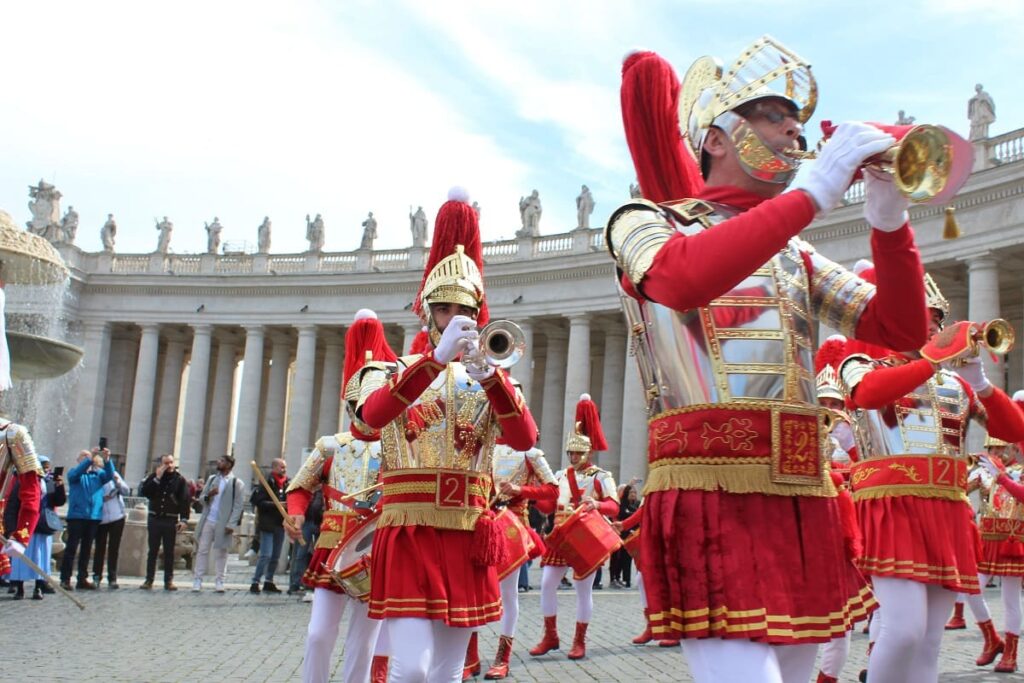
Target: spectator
40, 546
167, 492
310, 531
108, 535
270, 526
218, 522
621, 567
85, 504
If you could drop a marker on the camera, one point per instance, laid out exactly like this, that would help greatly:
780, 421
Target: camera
103, 442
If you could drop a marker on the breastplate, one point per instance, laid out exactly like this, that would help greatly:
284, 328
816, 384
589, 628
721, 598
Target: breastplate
585, 481
931, 420
355, 466
1004, 506
753, 344
450, 426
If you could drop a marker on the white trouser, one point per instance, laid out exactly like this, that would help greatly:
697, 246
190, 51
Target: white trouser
834, 654
913, 621
549, 580
979, 608
383, 646
875, 626
220, 555
426, 650
714, 660
322, 634
1011, 603
509, 604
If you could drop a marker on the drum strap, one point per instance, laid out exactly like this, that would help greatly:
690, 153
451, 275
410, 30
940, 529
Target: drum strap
331, 493
574, 487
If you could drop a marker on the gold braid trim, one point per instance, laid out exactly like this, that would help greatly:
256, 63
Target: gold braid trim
742, 478
918, 491
427, 514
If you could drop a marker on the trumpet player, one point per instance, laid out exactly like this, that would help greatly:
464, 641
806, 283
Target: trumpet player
341, 463
727, 500
912, 412
436, 546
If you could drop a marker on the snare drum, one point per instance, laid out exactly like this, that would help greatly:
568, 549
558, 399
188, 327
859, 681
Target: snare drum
585, 541
349, 562
516, 538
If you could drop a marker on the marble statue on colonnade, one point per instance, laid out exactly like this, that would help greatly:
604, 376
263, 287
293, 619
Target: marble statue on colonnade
418, 226
213, 236
634, 191
904, 120
584, 207
530, 211
981, 110
369, 232
315, 233
476, 208
263, 236
107, 234
69, 226
163, 243
45, 208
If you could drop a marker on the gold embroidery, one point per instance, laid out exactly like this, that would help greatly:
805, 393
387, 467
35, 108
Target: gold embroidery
910, 471
734, 434
862, 474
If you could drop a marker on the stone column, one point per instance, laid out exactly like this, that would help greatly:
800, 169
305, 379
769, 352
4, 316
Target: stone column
277, 393
554, 395
92, 385
523, 370
170, 395
300, 408
577, 369
330, 387
611, 398
193, 431
220, 405
633, 462
983, 305
247, 423
139, 456
410, 330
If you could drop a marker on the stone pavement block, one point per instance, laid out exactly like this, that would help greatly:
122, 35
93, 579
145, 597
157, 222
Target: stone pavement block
133, 635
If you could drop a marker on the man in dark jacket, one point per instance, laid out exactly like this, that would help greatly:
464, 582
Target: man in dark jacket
270, 526
85, 504
167, 492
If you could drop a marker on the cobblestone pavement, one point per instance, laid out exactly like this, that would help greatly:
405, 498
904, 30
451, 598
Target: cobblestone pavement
134, 635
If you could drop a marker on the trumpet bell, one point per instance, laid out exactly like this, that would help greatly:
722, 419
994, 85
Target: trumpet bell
930, 164
998, 336
503, 343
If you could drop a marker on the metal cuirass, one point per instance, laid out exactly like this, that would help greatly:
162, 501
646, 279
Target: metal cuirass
1001, 504
355, 466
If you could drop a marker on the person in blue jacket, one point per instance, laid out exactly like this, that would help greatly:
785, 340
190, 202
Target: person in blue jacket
85, 507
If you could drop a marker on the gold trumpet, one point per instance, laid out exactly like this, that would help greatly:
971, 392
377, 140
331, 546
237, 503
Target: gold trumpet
833, 417
997, 336
929, 163
501, 344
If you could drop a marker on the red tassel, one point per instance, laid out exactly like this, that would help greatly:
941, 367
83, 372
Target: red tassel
365, 334
489, 549
831, 352
851, 529
588, 417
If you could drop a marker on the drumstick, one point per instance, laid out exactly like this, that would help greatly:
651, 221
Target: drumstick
273, 497
360, 492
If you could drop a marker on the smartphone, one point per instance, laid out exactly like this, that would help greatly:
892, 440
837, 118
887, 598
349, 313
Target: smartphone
103, 442
58, 471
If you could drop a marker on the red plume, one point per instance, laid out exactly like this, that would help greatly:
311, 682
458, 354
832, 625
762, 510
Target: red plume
831, 352
420, 343
365, 334
587, 415
650, 99
456, 223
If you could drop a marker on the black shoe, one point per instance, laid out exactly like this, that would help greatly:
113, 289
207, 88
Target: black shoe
47, 588
19, 590
37, 593
295, 591
170, 587
85, 585
269, 587
599, 587
254, 589
147, 585
66, 585
112, 585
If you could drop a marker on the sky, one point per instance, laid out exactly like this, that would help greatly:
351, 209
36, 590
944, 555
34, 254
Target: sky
240, 110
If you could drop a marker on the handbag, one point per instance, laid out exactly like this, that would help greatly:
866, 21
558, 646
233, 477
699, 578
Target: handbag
49, 523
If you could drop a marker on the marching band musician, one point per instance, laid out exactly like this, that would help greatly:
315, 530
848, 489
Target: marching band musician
518, 478
436, 547
909, 486
1002, 555
723, 301
348, 462
581, 483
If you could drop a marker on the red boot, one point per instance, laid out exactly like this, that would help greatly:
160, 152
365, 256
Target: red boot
549, 641
668, 643
471, 668
1008, 663
579, 643
993, 644
822, 678
379, 669
956, 622
499, 669
646, 636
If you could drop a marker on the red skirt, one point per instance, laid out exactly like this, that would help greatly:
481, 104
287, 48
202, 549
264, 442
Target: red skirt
426, 573
770, 569
928, 540
1002, 558
316, 575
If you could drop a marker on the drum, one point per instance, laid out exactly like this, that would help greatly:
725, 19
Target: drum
349, 562
585, 541
632, 546
518, 540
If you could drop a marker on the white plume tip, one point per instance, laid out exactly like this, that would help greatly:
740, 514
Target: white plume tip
1018, 395
364, 313
585, 397
458, 194
862, 265
836, 337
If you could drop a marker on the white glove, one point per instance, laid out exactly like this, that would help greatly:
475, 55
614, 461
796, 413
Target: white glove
972, 371
479, 374
460, 330
993, 469
885, 208
828, 177
12, 546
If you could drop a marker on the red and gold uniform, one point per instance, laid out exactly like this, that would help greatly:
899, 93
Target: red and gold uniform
435, 549
18, 462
